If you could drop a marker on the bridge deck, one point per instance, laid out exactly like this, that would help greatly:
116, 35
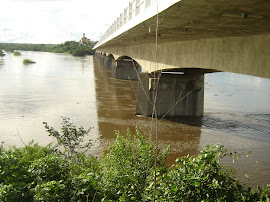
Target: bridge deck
231, 35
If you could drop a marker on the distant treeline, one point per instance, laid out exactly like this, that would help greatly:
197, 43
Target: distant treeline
72, 47
10, 47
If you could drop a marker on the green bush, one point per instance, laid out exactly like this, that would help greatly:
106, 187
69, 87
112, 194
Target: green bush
127, 166
126, 172
50, 191
49, 168
74, 48
28, 61
71, 138
16, 180
17, 53
203, 178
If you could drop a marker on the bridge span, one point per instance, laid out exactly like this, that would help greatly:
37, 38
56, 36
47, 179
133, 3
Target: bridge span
176, 42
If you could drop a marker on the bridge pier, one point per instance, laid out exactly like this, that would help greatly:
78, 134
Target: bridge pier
101, 57
125, 68
110, 62
98, 55
177, 94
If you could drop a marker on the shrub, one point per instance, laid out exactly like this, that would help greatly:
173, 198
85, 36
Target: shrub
50, 191
71, 138
49, 168
126, 172
17, 53
28, 61
127, 165
41, 173
203, 178
16, 180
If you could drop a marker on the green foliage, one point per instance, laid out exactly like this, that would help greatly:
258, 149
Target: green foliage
16, 180
203, 178
85, 187
127, 165
74, 48
17, 53
49, 168
10, 47
50, 191
124, 173
41, 173
71, 47
71, 138
28, 61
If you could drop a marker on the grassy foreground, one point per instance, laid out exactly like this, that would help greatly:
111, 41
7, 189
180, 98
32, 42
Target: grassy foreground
126, 172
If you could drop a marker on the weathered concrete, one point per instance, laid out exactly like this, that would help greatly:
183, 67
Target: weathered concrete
177, 94
125, 68
230, 35
245, 55
110, 62
200, 35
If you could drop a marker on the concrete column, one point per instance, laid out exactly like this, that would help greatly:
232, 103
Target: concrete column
177, 95
100, 56
125, 69
97, 55
109, 62
105, 60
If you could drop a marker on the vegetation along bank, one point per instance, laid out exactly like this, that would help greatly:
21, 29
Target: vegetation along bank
130, 169
71, 47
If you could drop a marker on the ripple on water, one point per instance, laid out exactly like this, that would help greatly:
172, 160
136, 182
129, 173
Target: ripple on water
251, 126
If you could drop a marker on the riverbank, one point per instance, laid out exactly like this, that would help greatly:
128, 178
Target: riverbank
80, 88
131, 169
72, 47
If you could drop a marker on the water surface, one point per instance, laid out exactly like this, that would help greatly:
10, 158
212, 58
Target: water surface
237, 110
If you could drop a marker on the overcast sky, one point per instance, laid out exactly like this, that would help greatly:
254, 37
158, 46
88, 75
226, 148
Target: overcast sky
56, 21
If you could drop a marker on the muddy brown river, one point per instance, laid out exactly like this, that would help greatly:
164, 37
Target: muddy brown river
237, 109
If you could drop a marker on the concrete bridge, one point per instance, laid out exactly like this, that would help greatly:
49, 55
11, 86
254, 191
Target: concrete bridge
174, 43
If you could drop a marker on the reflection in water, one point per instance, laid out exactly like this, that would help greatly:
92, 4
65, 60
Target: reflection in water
116, 102
232, 118
236, 108
242, 125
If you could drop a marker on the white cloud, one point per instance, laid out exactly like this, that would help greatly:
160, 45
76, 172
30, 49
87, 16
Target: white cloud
56, 21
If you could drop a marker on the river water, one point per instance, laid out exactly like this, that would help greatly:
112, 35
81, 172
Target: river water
237, 110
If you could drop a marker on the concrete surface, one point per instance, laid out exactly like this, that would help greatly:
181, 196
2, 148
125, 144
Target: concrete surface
215, 35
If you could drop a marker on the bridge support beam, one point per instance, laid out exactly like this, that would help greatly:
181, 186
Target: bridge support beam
177, 95
126, 69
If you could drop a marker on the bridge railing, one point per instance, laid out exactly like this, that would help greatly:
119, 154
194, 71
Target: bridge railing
136, 12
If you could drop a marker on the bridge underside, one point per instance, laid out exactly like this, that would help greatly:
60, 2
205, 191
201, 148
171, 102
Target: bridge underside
245, 55
194, 37
229, 35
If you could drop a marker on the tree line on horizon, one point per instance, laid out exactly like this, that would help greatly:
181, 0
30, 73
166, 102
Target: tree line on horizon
71, 47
